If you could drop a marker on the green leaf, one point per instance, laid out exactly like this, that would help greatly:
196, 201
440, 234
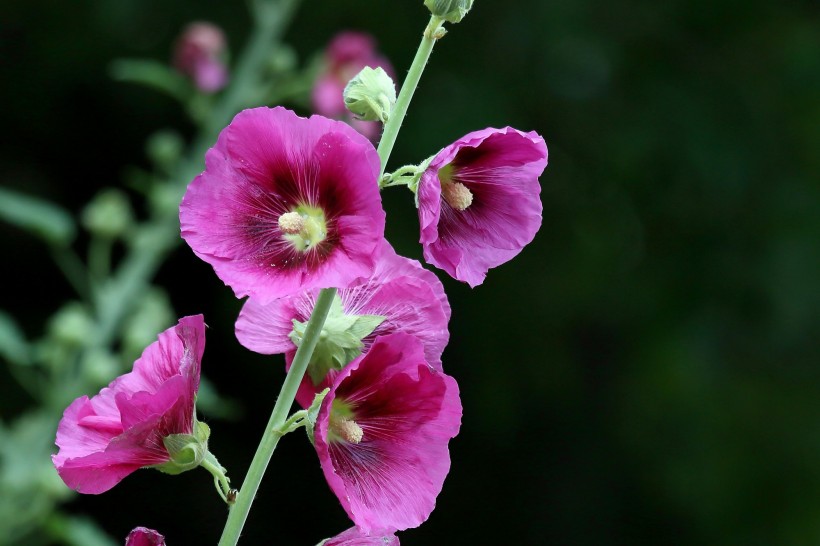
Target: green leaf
13, 344
46, 220
153, 74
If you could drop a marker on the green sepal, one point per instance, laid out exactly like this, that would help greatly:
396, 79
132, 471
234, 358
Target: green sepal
451, 11
313, 413
186, 450
340, 341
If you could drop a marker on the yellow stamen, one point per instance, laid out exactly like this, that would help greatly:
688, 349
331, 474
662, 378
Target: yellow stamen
291, 223
457, 195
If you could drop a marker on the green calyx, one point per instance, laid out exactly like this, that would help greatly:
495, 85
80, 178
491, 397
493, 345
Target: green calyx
451, 11
340, 341
187, 451
304, 227
370, 95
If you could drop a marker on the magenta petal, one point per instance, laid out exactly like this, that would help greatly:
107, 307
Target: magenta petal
408, 412
500, 168
105, 438
142, 536
355, 537
265, 163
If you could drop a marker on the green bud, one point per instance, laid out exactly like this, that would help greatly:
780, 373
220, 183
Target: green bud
164, 149
71, 325
108, 214
100, 366
370, 95
153, 314
451, 11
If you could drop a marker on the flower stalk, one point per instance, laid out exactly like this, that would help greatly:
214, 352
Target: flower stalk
276, 424
433, 32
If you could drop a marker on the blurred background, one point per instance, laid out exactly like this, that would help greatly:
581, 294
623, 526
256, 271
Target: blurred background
645, 372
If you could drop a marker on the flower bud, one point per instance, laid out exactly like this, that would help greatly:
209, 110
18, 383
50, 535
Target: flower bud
451, 11
108, 214
370, 95
199, 53
71, 325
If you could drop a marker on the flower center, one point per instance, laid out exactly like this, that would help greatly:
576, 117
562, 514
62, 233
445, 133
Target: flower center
346, 429
291, 223
304, 227
455, 193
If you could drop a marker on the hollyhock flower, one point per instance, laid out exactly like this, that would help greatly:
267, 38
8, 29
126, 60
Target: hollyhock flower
479, 203
122, 429
198, 54
405, 296
381, 434
286, 204
345, 56
354, 537
142, 536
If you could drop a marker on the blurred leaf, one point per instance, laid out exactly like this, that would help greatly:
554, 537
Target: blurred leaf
13, 344
78, 531
153, 74
40, 217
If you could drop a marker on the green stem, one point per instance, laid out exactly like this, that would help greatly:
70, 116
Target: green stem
239, 511
391, 128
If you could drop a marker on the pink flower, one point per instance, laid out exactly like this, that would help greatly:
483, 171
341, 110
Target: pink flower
345, 56
286, 204
411, 299
142, 536
479, 201
106, 438
198, 54
354, 537
382, 433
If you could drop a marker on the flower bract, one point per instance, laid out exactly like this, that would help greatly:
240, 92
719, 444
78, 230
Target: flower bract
479, 201
107, 437
382, 435
400, 296
286, 204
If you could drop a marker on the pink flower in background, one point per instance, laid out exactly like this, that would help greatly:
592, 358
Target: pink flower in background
345, 56
354, 537
410, 297
121, 429
199, 53
142, 536
286, 204
382, 433
479, 201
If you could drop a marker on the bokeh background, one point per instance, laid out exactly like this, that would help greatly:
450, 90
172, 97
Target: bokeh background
645, 372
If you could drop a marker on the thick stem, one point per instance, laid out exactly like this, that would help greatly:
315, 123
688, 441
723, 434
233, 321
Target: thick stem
239, 511
391, 128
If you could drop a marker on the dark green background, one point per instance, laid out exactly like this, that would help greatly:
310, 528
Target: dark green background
645, 372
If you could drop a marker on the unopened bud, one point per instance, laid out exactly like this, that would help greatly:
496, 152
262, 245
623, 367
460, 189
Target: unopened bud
370, 95
451, 11
109, 214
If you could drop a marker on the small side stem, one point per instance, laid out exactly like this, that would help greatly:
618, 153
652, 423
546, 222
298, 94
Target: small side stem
391, 128
239, 511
